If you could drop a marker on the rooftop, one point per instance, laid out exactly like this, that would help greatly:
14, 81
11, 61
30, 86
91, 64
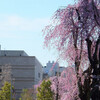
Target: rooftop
13, 53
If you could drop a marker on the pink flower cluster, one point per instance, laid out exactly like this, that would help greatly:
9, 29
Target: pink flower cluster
67, 84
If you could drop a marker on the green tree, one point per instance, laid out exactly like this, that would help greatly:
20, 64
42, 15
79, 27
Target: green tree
44, 91
5, 92
27, 94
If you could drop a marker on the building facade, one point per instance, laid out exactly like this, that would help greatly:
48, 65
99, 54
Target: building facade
52, 69
26, 70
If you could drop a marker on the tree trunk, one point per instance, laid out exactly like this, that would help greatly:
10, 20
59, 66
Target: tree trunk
57, 90
95, 65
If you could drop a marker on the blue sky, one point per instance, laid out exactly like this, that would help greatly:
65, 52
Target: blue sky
21, 24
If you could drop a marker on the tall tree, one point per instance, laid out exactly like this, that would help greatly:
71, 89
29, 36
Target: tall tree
28, 94
65, 85
5, 92
75, 34
44, 91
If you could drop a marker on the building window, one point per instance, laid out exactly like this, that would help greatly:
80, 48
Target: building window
0, 71
39, 75
56, 73
64, 75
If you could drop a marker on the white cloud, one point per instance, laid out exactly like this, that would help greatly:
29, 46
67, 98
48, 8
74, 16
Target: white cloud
17, 23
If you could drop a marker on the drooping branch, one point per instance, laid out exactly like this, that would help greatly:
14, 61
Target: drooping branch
80, 24
96, 14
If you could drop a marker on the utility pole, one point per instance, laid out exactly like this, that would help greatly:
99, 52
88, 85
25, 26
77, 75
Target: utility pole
11, 87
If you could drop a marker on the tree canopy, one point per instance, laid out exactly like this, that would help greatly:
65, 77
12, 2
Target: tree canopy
28, 94
75, 33
44, 91
72, 26
5, 92
65, 85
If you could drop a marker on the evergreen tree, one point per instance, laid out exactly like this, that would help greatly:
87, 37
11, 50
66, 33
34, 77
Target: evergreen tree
27, 94
5, 92
44, 91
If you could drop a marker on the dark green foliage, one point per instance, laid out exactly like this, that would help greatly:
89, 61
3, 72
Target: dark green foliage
5, 92
44, 91
27, 94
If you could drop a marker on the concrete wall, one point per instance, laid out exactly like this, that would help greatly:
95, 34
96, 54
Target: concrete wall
12, 53
38, 70
17, 60
55, 69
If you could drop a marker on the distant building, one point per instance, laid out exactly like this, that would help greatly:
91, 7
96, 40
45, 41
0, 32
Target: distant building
52, 69
26, 70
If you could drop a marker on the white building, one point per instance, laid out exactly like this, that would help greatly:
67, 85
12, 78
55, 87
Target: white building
26, 70
51, 69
